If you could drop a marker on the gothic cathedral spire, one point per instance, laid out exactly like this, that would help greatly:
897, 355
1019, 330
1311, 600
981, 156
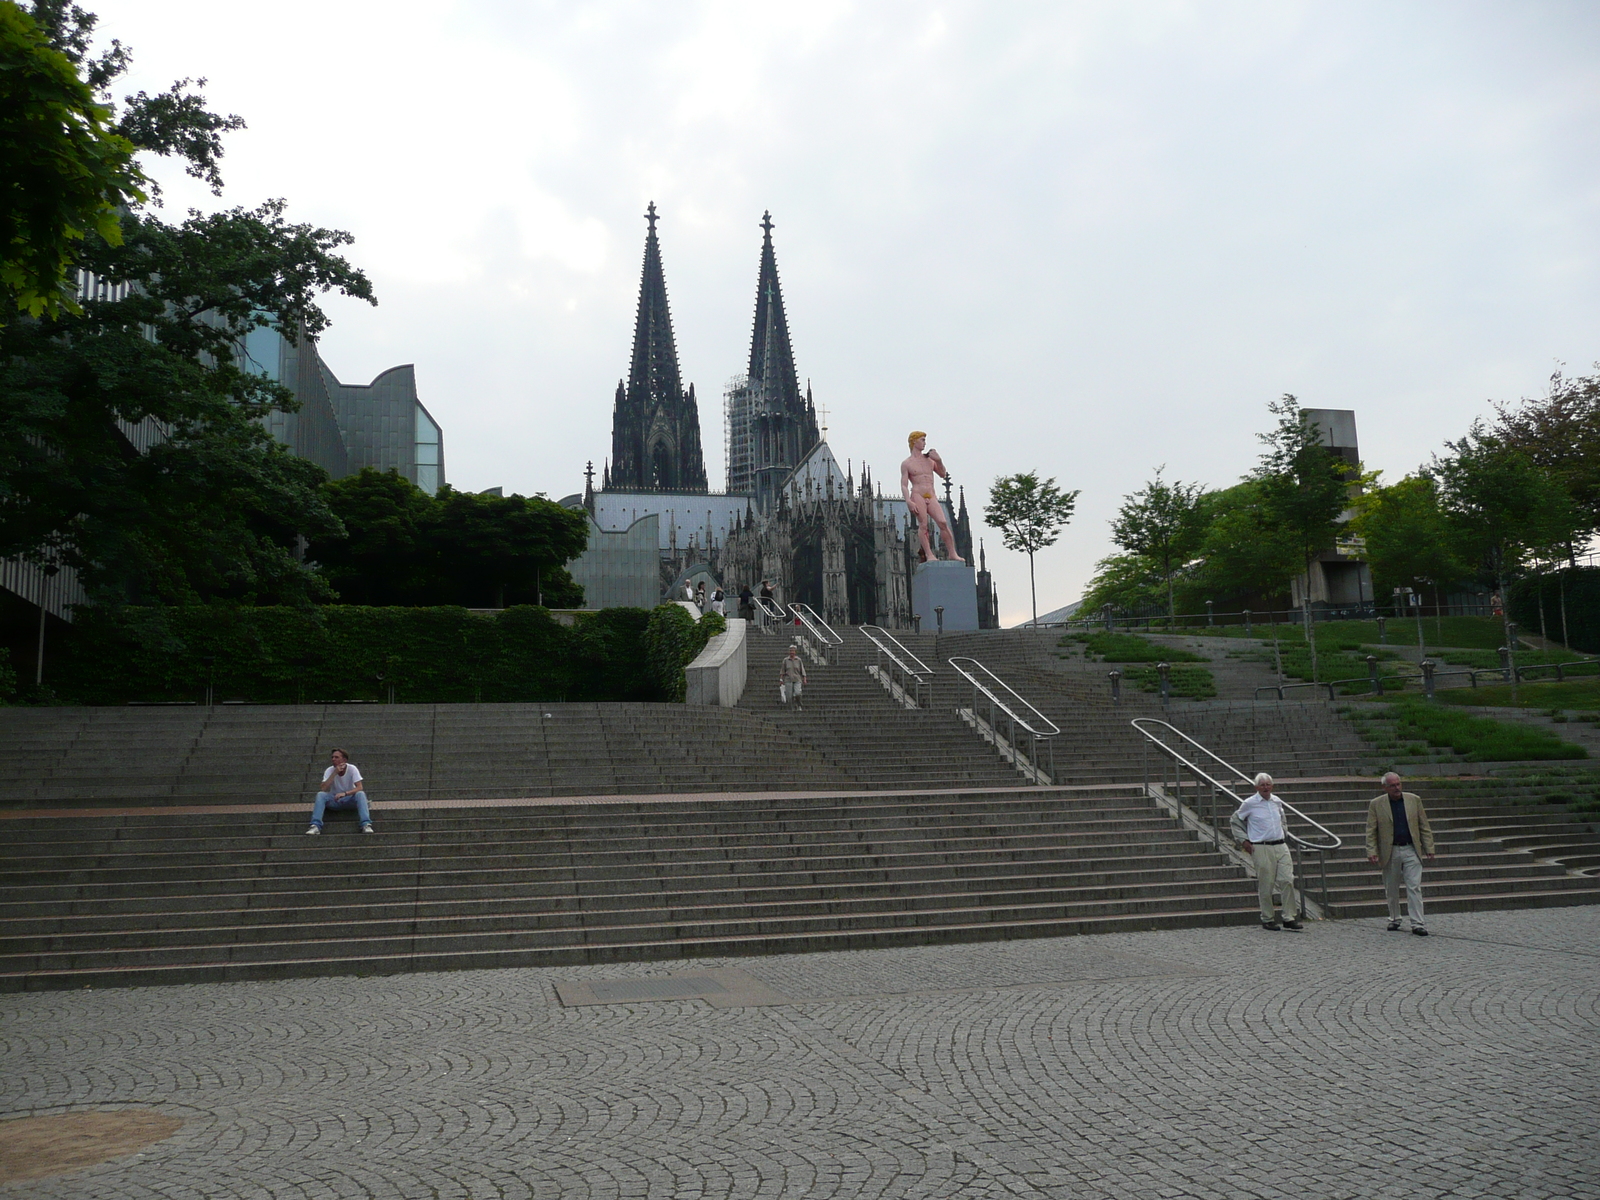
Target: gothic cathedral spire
655, 426
783, 423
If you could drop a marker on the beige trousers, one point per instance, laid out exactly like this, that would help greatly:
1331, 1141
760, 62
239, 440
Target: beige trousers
1274, 872
1404, 867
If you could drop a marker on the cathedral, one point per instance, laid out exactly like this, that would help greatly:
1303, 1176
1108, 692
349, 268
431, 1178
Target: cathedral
822, 534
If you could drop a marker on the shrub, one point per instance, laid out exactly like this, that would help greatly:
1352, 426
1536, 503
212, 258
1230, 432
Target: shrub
1478, 739
1129, 648
1191, 683
672, 640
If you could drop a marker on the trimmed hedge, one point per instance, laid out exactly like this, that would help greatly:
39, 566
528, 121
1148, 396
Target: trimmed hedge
282, 655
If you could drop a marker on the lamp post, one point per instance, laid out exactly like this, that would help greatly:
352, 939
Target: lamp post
1511, 656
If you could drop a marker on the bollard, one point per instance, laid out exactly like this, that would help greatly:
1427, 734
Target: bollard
916, 622
1372, 674
1116, 686
1165, 671
938, 614
1505, 662
1383, 631
1247, 622
1209, 621
1427, 679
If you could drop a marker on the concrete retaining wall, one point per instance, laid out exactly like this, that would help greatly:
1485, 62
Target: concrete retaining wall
718, 675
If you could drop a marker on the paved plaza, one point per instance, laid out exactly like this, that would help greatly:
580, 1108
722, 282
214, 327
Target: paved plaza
1342, 1062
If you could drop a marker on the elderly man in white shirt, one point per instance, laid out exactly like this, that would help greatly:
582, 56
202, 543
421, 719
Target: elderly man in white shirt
1259, 828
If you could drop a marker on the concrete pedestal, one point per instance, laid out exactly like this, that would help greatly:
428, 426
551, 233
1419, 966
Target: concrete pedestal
951, 584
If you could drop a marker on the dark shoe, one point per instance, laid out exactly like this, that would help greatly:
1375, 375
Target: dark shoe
1294, 925
1271, 926
1393, 925
1420, 931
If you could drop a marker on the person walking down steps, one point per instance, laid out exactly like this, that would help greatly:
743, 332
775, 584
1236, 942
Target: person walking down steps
342, 787
792, 678
1261, 831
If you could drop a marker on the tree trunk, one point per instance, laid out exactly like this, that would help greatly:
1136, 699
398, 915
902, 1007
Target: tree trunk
1033, 591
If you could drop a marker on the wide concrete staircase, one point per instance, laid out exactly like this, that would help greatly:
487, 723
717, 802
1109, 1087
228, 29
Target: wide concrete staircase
106, 900
180, 854
275, 754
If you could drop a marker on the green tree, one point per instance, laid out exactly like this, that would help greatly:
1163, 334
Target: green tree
500, 549
1244, 555
67, 165
1560, 432
1029, 514
212, 507
1503, 507
1160, 522
1409, 541
63, 171
1306, 489
1129, 582
380, 555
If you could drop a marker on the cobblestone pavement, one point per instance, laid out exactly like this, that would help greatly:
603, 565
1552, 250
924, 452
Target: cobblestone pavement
1342, 1062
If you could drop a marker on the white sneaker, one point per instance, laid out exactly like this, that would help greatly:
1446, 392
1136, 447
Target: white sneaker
313, 831
367, 828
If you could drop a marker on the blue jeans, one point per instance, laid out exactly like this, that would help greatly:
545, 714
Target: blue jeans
325, 800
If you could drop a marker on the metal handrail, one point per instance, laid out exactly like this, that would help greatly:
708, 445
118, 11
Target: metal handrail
1053, 729
1202, 776
1037, 739
915, 676
816, 624
1281, 688
774, 614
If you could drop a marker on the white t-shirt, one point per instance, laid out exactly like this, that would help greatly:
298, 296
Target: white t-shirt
349, 781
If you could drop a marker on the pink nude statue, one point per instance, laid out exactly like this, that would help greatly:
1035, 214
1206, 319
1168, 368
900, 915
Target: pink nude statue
916, 484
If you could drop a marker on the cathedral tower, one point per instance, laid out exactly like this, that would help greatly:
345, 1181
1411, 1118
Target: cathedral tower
771, 426
655, 426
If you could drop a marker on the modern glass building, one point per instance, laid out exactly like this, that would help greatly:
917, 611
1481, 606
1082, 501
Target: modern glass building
343, 427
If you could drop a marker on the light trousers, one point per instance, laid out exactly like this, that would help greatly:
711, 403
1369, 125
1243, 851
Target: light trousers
1274, 872
1404, 865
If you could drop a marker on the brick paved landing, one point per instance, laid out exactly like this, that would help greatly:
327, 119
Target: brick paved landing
1344, 1062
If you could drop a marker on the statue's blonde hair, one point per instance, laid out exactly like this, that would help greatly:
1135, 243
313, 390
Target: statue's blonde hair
911, 438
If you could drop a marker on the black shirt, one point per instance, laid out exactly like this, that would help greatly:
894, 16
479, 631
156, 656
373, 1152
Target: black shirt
1402, 827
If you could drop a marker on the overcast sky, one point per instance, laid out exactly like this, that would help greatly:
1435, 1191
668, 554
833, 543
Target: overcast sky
1083, 239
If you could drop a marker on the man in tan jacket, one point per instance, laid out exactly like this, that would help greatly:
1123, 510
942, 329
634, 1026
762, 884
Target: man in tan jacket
1397, 826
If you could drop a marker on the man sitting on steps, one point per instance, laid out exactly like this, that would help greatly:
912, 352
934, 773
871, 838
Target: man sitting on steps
342, 787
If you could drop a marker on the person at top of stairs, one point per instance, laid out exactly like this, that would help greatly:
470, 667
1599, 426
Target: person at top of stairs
792, 677
342, 787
